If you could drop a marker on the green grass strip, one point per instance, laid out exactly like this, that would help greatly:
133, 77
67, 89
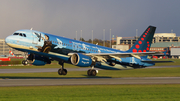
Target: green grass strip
151, 72
92, 93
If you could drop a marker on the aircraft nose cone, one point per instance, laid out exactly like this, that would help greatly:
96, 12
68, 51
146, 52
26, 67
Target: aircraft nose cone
7, 40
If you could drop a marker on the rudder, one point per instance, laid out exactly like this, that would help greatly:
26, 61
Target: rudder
143, 44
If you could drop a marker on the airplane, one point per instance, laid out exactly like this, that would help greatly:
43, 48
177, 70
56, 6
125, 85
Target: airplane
42, 48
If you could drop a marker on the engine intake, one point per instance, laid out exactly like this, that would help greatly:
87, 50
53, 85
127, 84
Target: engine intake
81, 60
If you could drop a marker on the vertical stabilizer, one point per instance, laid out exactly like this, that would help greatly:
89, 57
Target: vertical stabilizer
143, 44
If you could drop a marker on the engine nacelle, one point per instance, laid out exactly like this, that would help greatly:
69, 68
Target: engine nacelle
81, 60
38, 60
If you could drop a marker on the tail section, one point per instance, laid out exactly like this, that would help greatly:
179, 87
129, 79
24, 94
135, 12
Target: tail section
143, 44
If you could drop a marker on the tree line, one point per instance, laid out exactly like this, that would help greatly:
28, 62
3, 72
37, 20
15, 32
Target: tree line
98, 41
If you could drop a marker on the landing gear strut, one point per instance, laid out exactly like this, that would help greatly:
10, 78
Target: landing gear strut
25, 62
92, 72
62, 71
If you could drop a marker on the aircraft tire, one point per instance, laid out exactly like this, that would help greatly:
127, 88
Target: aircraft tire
91, 72
62, 71
24, 62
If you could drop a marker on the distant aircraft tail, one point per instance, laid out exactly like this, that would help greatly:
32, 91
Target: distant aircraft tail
143, 44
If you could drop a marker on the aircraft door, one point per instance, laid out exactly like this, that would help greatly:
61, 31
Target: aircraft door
36, 37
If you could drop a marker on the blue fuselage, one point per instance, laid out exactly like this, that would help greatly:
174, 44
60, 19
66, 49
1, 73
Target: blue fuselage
32, 42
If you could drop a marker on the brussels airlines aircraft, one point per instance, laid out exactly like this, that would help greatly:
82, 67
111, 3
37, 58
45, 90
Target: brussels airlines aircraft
43, 48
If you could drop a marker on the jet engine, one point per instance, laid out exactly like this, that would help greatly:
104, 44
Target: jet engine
81, 60
38, 60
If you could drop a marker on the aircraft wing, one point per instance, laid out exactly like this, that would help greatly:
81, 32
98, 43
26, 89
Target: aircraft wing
104, 56
157, 61
121, 55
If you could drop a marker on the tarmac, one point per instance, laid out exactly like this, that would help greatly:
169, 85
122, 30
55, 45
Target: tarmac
50, 81
89, 81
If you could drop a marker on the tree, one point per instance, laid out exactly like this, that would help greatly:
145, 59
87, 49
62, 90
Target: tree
81, 39
89, 40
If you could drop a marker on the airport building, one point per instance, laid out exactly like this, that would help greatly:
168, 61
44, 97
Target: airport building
161, 42
4, 49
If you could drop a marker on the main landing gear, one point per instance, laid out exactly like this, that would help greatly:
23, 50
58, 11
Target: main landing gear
62, 71
92, 72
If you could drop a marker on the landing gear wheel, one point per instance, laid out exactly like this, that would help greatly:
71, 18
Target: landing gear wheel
62, 71
24, 62
91, 72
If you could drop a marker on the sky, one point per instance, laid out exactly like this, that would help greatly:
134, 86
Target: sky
65, 17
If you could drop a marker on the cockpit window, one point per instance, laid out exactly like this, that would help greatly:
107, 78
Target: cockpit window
20, 34
24, 35
16, 34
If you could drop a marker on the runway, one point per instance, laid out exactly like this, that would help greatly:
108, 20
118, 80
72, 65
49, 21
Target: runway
89, 81
81, 81
36, 70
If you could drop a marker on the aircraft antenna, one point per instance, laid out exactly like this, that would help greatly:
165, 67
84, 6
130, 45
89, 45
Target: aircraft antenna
31, 29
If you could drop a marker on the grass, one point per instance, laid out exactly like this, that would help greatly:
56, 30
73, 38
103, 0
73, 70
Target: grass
151, 72
92, 93
176, 62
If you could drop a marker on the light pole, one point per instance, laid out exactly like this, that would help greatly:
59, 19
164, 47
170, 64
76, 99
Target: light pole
76, 35
110, 38
92, 36
104, 37
81, 35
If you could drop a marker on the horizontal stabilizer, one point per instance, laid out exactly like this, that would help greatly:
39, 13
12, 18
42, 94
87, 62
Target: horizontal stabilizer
157, 61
